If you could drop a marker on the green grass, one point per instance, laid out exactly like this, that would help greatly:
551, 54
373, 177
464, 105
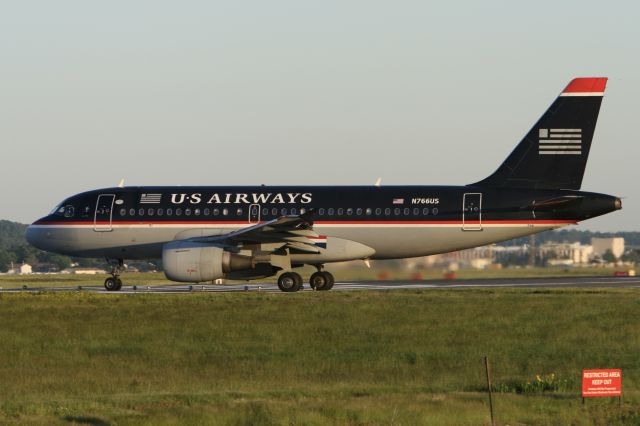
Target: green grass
401, 357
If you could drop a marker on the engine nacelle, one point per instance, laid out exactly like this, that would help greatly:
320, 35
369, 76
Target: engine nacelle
185, 261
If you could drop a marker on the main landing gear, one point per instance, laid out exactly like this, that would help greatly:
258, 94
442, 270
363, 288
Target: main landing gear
292, 281
114, 283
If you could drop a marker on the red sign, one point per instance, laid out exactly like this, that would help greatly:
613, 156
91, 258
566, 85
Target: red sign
601, 383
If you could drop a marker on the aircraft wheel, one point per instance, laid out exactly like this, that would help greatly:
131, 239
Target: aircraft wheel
118, 284
321, 280
329, 281
290, 282
111, 284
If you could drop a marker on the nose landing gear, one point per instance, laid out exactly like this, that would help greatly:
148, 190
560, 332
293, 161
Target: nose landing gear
114, 283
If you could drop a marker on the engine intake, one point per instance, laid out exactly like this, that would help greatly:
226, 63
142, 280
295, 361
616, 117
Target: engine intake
185, 261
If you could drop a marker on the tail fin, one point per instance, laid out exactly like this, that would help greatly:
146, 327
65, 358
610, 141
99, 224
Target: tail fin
553, 155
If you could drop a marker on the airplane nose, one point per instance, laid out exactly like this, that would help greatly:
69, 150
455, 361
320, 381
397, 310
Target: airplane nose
34, 236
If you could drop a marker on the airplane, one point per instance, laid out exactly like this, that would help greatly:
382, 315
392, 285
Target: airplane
203, 233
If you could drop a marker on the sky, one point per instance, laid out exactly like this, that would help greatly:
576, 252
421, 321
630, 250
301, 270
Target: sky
300, 92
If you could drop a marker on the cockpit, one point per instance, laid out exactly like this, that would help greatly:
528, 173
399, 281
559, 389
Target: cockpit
63, 210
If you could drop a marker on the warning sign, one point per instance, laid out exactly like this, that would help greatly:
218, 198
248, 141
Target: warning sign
601, 383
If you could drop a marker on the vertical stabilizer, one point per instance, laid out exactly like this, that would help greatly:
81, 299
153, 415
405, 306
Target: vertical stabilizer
553, 155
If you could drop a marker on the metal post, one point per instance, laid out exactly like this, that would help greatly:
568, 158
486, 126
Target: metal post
486, 366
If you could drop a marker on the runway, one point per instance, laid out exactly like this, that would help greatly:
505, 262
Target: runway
565, 282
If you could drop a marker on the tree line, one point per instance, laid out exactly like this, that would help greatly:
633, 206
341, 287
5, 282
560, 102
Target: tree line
15, 250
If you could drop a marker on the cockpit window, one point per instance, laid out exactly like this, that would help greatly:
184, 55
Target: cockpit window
57, 210
65, 210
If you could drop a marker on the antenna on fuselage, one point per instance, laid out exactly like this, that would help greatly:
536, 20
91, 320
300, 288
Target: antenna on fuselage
121, 184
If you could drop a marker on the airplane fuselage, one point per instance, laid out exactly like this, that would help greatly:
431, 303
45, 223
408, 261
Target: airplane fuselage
395, 222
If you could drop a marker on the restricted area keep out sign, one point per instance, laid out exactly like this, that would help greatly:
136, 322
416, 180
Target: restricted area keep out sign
601, 383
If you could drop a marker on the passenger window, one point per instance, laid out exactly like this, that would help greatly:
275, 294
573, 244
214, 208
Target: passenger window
123, 212
187, 212
140, 212
274, 211
196, 212
150, 212
293, 210
132, 212
416, 211
331, 211
340, 212
368, 212
359, 212
349, 211
265, 212
425, 211
321, 212
387, 211
225, 212
160, 211
378, 212
284, 212
434, 211
206, 212
178, 212
407, 211
396, 211
239, 212
169, 212
216, 212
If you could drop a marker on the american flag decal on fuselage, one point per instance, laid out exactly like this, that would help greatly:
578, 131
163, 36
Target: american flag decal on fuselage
150, 198
320, 241
560, 141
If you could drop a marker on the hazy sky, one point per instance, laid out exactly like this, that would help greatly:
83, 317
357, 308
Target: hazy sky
299, 92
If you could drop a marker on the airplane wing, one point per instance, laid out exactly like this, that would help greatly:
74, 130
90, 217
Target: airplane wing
293, 232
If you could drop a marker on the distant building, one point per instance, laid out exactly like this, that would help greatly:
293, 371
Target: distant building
23, 269
477, 258
567, 253
84, 271
601, 245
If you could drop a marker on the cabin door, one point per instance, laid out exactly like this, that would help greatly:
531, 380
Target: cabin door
472, 212
104, 213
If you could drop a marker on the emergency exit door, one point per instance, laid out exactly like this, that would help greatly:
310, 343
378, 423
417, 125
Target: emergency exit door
254, 213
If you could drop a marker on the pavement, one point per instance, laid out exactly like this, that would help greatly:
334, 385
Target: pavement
564, 282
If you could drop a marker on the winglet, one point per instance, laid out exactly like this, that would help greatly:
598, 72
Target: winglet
121, 184
590, 86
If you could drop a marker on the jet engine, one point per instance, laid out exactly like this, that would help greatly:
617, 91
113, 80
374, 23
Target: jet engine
186, 261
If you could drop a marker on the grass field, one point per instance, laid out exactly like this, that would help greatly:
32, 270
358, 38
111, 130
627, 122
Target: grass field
399, 357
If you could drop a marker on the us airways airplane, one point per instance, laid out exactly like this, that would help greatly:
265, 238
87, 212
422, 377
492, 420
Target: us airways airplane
206, 233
